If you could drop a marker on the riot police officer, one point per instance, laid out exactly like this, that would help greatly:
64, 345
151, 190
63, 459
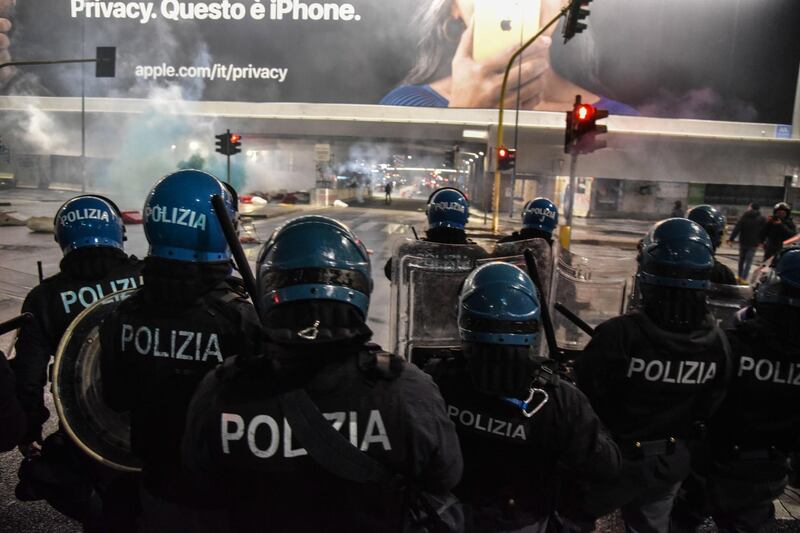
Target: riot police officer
435, 266
448, 213
654, 374
711, 220
360, 410
539, 220
159, 343
758, 424
90, 232
508, 404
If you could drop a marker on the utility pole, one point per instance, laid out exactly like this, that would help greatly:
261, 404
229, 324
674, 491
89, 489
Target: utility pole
504, 87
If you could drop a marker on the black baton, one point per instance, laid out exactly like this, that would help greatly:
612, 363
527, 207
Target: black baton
547, 323
236, 248
16, 322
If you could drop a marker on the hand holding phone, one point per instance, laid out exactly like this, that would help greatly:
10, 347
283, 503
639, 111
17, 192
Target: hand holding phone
477, 84
503, 24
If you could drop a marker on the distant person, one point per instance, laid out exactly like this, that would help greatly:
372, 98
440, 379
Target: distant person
778, 228
677, 210
748, 228
388, 190
711, 220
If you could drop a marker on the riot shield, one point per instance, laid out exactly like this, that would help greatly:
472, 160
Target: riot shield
512, 252
725, 300
95, 428
595, 291
426, 282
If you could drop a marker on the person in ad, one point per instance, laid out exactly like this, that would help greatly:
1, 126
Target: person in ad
459, 64
439, 53
652, 375
159, 343
507, 403
747, 229
539, 220
777, 229
711, 220
247, 443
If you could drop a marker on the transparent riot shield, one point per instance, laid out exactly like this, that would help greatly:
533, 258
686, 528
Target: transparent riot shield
513, 252
595, 291
725, 300
95, 428
544, 254
426, 282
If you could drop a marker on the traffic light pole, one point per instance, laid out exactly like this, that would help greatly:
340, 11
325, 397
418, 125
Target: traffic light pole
565, 235
228, 155
52, 62
514, 56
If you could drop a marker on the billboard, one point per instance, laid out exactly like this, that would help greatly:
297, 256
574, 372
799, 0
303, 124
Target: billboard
731, 60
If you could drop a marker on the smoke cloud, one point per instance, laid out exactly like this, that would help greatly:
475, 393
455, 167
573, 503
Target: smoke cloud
702, 103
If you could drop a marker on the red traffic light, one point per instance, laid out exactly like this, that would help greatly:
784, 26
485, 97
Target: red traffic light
228, 143
584, 112
506, 158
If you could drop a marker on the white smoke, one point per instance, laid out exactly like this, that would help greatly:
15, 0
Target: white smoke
41, 131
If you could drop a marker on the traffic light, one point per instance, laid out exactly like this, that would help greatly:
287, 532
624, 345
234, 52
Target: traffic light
450, 159
106, 65
222, 143
582, 128
506, 158
228, 143
575, 17
235, 144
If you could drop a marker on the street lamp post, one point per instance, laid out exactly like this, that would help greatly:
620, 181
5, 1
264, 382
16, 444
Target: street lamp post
514, 56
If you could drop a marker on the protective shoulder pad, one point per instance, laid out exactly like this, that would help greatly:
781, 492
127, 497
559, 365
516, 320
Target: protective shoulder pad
442, 364
376, 363
545, 372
